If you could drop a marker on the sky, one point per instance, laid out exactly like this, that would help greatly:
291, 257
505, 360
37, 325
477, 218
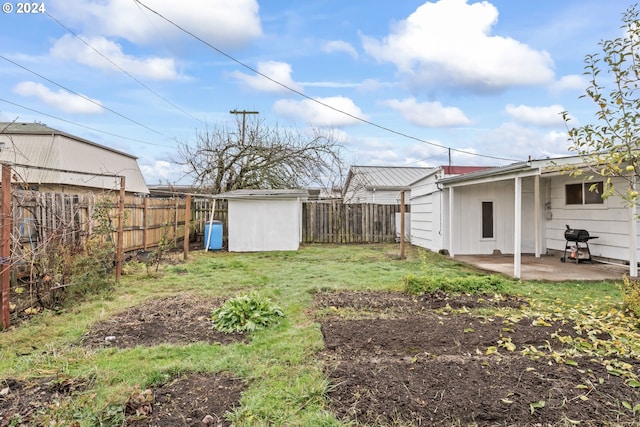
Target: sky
402, 83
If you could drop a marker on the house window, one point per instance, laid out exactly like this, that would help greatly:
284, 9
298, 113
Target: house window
487, 220
580, 194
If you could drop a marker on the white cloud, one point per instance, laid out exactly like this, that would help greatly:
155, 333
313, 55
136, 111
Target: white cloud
278, 71
61, 100
513, 141
228, 23
540, 116
70, 48
570, 82
162, 172
428, 114
449, 42
315, 113
340, 46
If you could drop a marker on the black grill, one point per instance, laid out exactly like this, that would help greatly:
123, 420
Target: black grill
576, 235
577, 245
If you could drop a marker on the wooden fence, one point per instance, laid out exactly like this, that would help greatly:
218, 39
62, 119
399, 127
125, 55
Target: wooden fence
71, 217
147, 221
336, 222
38, 217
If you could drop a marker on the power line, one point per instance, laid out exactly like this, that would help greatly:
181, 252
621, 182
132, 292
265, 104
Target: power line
84, 126
123, 70
297, 92
83, 97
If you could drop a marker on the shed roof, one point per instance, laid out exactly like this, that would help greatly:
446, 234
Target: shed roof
387, 177
263, 194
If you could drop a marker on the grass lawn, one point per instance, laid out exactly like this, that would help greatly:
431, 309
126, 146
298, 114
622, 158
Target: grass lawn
285, 381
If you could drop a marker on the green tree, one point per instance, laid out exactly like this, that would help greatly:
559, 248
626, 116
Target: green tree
611, 148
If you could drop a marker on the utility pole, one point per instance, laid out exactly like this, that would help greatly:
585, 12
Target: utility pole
244, 118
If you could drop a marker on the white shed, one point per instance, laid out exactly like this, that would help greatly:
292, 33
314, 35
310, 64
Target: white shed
264, 220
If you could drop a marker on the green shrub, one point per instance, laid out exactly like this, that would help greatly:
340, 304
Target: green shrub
472, 284
92, 269
246, 313
630, 290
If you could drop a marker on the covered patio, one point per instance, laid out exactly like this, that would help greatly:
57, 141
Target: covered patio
546, 268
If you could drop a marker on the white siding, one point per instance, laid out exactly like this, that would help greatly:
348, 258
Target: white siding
609, 221
378, 197
264, 225
426, 214
467, 218
387, 197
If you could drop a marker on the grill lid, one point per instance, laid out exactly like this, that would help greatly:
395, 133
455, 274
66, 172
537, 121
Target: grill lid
576, 234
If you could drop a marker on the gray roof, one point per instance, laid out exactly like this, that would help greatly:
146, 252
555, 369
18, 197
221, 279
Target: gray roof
17, 128
263, 194
43, 155
387, 177
506, 171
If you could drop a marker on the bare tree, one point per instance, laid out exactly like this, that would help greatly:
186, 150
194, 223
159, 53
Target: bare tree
255, 155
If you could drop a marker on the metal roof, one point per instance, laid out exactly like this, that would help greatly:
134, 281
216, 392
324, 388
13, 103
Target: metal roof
263, 194
535, 166
42, 129
43, 155
387, 177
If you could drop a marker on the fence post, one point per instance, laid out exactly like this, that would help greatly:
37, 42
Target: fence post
402, 224
120, 235
187, 216
145, 230
5, 245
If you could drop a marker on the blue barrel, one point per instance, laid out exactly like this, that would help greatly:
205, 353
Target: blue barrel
213, 235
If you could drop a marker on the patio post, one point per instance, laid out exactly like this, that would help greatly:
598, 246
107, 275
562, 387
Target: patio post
536, 197
517, 232
451, 253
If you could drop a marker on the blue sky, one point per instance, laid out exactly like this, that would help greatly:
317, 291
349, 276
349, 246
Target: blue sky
486, 79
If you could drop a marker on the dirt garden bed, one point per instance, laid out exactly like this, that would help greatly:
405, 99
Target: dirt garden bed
393, 360
183, 401
172, 320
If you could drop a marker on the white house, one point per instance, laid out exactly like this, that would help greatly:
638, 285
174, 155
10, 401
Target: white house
525, 208
381, 184
426, 200
264, 220
46, 159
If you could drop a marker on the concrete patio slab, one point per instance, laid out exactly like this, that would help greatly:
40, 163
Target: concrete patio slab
547, 268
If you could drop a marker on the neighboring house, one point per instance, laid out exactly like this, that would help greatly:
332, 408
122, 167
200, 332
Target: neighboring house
264, 220
319, 194
381, 184
426, 200
46, 159
524, 208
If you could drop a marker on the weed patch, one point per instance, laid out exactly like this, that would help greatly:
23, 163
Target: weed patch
246, 313
630, 290
491, 284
